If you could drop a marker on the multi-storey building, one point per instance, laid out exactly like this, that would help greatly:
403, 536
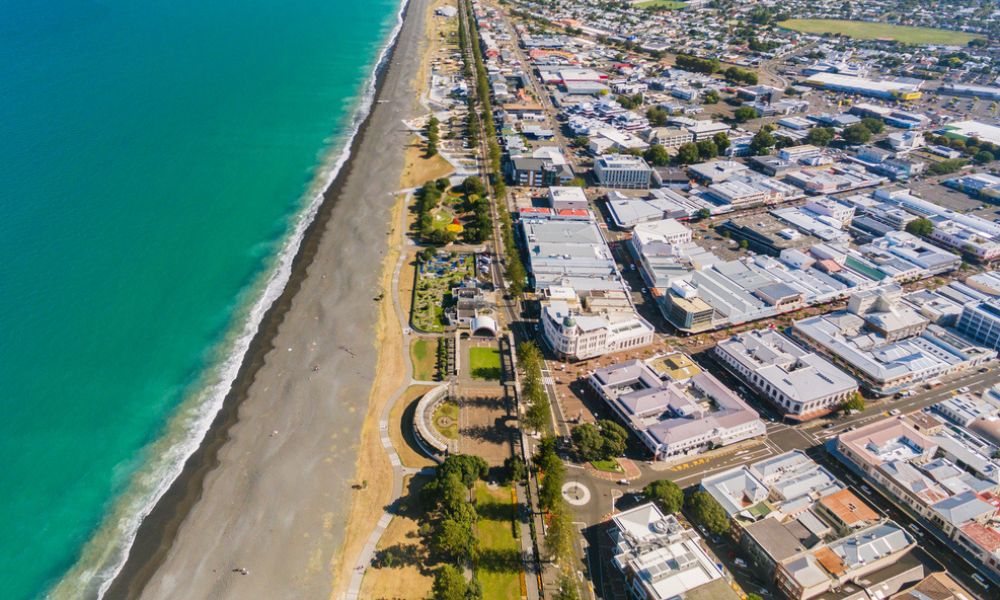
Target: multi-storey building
799, 383
675, 417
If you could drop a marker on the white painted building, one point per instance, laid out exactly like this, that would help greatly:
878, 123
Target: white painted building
623, 171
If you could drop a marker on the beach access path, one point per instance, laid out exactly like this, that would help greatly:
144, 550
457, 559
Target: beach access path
275, 497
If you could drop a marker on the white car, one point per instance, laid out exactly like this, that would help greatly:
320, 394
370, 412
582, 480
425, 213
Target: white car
894, 412
963, 390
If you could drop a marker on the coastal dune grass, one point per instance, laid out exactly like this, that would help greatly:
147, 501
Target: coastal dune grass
863, 30
498, 561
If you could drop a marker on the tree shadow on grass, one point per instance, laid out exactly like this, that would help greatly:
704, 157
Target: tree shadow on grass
488, 402
499, 561
497, 511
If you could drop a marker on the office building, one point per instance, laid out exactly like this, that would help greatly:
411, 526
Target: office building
623, 171
799, 383
675, 416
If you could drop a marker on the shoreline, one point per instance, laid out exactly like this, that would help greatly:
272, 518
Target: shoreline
158, 531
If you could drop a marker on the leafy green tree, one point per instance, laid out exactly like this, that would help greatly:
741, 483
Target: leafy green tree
449, 584
537, 414
921, 227
856, 134
580, 141
820, 136
657, 116
514, 468
550, 492
762, 142
945, 167
559, 535
982, 157
588, 441
710, 97
707, 149
873, 125
722, 142
657, 155
704, 509
454, 539
703, 213
687, 154
666, 494
615, 438
744, 244
744, 114
466, 467
473, 186
855, 402
567, 588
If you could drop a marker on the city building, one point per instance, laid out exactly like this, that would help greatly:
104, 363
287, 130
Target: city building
578, 333
886, 344
675, 417
980, 321
799, 383
939, 474
567, 198
623, 171
803, 530
887, 89
661, 559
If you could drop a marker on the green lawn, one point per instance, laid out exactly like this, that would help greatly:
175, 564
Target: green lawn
423, 356
863, 30
484, 363
446, 420
669, 4
608, 466
498, 564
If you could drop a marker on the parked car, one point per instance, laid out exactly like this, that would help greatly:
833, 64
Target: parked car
963, 390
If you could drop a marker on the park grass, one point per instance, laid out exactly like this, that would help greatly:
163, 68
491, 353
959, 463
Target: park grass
484, 363
498, 563
863, 30
448, 410
423, 356
608, 466
667, 4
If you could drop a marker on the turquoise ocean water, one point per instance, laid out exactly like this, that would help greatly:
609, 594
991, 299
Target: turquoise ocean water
155, 158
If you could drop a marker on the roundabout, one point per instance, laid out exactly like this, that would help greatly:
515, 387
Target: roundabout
575, 493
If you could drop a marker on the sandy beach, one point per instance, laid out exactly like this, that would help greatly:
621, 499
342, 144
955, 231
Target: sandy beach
270, 491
